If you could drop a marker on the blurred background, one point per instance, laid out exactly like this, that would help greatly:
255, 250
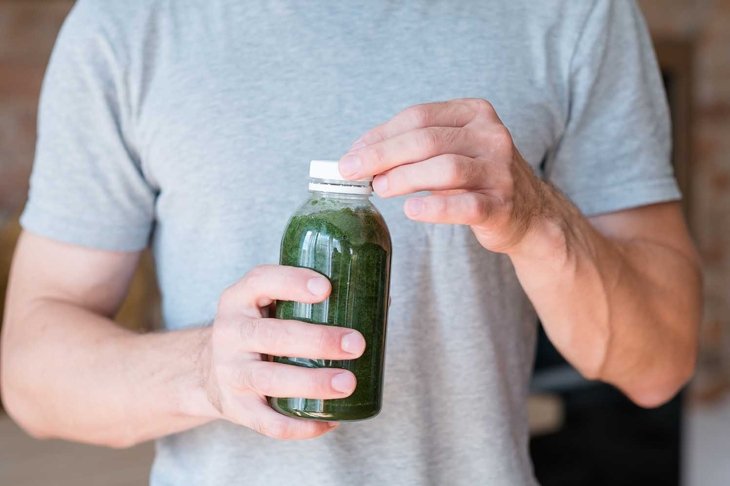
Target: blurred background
583, 432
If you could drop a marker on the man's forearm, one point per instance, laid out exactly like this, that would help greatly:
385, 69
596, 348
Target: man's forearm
623, 311
77, 376
70, 372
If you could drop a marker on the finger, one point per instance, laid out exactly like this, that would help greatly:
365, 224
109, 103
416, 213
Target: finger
454, 113
413, 146
284, 380
443, 172
468, 208
266, 421
280, 337
267, 283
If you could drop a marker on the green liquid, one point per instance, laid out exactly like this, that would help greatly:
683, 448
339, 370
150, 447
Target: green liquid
351, 246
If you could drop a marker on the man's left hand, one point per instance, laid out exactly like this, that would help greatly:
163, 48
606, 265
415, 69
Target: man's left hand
463, 154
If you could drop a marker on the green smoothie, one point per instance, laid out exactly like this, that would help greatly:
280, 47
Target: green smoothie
343, 237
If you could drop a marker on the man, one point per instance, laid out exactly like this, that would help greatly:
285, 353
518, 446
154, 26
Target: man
190, 125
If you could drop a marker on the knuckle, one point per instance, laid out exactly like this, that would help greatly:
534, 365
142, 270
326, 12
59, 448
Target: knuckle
227, 297
501, 140
279, 335
400, 180
271, 336
472, 172
325, 340
376, 154
476, 208
453, 171
253, 331
317, 382
254, 276
450, 136
259, 427
418, 115
431, 139
483, 107
437, 205
257, 377
323, 384
375, 135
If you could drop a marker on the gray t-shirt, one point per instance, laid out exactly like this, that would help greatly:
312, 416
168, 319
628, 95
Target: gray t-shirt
189, 125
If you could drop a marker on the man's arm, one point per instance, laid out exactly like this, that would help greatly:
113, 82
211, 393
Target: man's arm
68, 371
619, 295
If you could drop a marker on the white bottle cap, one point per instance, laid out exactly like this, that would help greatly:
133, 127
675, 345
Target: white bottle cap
326, 177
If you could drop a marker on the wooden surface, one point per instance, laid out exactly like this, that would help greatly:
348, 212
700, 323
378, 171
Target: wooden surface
28, 462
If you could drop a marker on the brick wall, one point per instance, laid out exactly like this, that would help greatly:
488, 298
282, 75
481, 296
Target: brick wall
707, 24
27, 31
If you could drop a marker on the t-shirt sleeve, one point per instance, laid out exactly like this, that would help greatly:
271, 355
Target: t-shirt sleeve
615, 151
87, 186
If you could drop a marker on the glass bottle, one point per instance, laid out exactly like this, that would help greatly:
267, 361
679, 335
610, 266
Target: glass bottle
339, 233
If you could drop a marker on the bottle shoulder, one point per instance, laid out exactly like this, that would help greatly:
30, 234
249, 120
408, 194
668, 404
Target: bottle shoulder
356, 221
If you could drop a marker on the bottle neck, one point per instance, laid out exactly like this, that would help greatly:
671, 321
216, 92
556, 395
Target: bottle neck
357, 189
339, 196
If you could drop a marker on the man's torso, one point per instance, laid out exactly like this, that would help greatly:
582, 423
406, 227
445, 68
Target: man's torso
229, 100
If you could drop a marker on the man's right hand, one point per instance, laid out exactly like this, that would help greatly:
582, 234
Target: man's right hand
237, 375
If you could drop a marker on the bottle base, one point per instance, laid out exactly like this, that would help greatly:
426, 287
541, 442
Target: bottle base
349, 414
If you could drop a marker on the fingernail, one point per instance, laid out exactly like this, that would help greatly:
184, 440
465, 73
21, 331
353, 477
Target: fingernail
380, 184
318, 286
350, 165
352, 343
358, 144
343, 382
414, 207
